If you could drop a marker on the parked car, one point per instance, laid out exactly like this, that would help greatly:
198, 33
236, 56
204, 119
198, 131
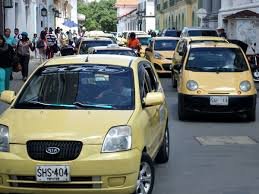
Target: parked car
191, 31
160, 52
86, 43
112, 49
182, 47
215, 78
84, 124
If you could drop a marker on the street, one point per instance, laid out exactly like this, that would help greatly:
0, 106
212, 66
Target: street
194, 168
208, 169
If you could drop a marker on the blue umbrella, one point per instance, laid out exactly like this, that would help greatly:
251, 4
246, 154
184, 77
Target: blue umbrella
70, 24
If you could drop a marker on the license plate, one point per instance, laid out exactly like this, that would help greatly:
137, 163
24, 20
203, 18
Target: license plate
53, 173
219, 100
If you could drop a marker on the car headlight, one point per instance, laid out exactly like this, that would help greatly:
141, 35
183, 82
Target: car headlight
117, 139
157, 55
4, 139
192, 85
245, 86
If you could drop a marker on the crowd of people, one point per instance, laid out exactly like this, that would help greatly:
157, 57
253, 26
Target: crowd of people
16, 50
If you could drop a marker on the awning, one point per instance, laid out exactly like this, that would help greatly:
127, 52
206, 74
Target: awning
70, 24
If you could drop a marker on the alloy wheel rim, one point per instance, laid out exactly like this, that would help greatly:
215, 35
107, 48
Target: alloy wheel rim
144, 179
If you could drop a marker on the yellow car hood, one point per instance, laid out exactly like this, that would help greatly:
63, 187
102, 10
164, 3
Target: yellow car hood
166, 54
88, 126
212, 82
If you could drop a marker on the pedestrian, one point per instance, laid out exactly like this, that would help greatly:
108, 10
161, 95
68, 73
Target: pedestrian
23, 50
6, 56
9, 39
17, 34
41, 45
70, 37
133, 42
221, 32
52, 44
34, 41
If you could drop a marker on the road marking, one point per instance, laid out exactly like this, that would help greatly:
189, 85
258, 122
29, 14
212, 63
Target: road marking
225, 140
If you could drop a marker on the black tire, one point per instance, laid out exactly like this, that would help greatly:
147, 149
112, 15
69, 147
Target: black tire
164, 151
174, 82
182, 113
146, 160
251, 115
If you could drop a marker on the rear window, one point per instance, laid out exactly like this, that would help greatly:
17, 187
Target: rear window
85, 45
79, 87
202, 33
171, 33
144, 40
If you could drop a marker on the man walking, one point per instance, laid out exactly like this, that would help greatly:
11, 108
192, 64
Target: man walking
52, 44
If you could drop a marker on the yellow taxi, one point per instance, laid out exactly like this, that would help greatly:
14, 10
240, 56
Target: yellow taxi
160, 52
182, 46
215, 78
84, 124
144, 42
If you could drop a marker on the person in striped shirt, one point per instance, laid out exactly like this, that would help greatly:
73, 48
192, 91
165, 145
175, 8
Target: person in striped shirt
51, 43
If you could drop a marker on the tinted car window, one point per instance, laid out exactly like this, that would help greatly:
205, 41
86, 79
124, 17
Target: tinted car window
144, 40
202, 33
165, 45
77, 86
172, 33
85, 45
117, 52
216, 60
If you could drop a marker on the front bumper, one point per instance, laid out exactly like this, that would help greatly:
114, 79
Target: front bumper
201, 103
164, 68
91, 172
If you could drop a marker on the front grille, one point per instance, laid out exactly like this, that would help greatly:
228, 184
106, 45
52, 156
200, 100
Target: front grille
69, 150
167, 67
169, 59
75, 183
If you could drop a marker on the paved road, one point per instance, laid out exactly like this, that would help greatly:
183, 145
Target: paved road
209, 169
204, 169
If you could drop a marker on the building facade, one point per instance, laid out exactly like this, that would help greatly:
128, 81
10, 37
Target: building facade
28, 15
146, 15
240, 19
126, 15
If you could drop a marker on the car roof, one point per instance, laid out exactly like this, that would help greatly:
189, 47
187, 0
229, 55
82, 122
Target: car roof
166, 38
199, 28
117, 60
196, 38
98, 38
214, 45
111, 48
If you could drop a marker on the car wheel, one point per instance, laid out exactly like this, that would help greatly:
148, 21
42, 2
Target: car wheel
163, 154
174, 82
251, 115
146, 175
182, 114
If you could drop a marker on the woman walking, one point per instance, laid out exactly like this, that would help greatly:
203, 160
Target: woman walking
23, 51
41, 45
6, 56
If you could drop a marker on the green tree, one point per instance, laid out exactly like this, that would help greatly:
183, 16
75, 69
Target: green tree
100, 15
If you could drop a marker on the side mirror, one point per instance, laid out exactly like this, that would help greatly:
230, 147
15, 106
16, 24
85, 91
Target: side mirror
154, 99
148, 50
7, 96
177, 67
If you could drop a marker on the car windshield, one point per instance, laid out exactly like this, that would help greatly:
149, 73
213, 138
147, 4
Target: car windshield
92, 43
216, 60
117, 52
202, 33
144, 40
165, 45
79, 87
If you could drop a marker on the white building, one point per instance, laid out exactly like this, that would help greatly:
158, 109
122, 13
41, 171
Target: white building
126, 15
27, 14
240, 19
146, 15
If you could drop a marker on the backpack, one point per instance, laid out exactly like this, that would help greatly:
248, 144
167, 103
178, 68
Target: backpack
40, 44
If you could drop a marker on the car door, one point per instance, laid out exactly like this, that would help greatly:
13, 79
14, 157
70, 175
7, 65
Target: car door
181, 50
153, 129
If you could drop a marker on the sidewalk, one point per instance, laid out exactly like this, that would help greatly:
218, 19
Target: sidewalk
17, 81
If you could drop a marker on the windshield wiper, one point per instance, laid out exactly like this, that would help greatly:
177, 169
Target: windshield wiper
88, 105
36, 104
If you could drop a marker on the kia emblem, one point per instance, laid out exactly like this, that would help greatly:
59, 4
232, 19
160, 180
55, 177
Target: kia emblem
52, 150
